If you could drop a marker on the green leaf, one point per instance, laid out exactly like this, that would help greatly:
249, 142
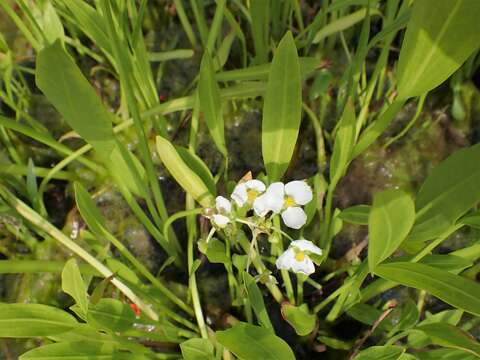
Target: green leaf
450, 336
445, 354
79, 350
432, 50
215, 251
380, 353
299, 318
389, 223
122, 270
342, 24
73, 285
453, 289
282, 109
182, 173
71, 94
111, 314
256, 301
29, 320
418, 339
198, 167
344, 141
197, 349
250, 342
449, 191
88, 209
357, 214
210, 103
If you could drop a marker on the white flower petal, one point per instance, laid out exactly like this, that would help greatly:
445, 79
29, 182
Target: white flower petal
223, 205
305, 266
220, 220
239, 194
256, 185
294, 217
286, 260
277, 188
300, 191
260, 205
306, 245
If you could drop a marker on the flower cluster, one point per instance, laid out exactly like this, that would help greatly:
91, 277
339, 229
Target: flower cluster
278, 198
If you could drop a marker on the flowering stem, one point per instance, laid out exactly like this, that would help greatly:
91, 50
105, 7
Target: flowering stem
285, 275
197, 307
260, 267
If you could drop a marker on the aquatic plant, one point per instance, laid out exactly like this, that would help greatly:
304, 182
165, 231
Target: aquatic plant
340, 72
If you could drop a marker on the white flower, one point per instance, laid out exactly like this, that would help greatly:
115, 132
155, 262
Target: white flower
286, 199
247, 192
224, 208
296, 257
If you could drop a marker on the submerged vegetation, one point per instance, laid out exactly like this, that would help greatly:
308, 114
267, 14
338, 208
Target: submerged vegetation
251, 179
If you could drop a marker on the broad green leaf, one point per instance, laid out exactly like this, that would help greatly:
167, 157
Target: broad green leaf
391, 218
198, 167
380, 353
449, 191
73, 285
250, 342
364, 313
299, 318
71, 94
282, 109
344, 141
453, 289
418, 339
79, 350
30, 320
197, 349
445, 354
210, 103
51, 25
357, 214
256, 301
182, 173
440, 36
111, 314
342, 23
214, 250
450, 336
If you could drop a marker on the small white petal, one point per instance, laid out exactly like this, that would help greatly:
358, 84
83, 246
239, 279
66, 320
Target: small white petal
260, 205
239, 194
305, 245
223, 205
294, 217
300, 191
305, 266
256, 185
275, 197
220, 220
286, 260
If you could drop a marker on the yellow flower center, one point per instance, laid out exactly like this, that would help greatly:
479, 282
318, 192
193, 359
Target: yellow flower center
300, 256
251, 195
289, 201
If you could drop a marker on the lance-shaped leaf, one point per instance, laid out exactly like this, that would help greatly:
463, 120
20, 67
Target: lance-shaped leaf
391, 218
211, 103
449, 191
73, 285
440, 36
182, 173
455, 290
282, 109
71, 94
